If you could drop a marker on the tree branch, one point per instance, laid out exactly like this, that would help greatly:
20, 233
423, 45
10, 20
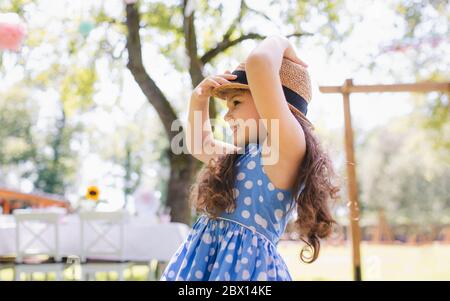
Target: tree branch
242, 9
225, 44
260, 13
299, 34
135, 64
222, 46
195, 64
190, 39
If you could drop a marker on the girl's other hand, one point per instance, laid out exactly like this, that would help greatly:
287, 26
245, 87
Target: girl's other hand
204, 88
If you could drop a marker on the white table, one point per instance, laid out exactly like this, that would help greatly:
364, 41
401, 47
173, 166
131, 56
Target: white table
142, 241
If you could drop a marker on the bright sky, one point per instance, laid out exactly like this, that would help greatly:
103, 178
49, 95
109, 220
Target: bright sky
375, 26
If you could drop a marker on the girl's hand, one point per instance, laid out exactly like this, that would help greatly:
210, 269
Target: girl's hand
204, 88
290, 54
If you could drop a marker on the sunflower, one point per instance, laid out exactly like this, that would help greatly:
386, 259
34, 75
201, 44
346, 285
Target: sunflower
92, 193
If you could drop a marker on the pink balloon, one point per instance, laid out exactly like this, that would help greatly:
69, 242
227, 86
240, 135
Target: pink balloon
12, 32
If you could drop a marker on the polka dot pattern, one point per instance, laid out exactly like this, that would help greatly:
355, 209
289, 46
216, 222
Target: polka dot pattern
261, 221
280, 196
199, 274
262, 276
278, 214
248, 184
241, 176
207, 238
251, 165
240, 244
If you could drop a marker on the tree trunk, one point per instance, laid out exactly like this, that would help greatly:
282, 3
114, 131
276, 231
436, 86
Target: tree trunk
183, 168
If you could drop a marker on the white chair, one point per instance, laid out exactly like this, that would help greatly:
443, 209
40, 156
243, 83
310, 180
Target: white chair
107, 228
31, 240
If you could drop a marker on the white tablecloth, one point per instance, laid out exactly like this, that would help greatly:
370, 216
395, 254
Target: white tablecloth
142, 241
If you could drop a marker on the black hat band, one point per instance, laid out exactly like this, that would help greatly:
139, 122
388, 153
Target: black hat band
292, 97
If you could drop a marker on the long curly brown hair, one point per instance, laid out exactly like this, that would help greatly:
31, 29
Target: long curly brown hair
212, 192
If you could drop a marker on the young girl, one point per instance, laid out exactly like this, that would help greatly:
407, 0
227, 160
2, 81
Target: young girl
245, 201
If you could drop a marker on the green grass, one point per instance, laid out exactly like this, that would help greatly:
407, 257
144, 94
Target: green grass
379, 262
138, 272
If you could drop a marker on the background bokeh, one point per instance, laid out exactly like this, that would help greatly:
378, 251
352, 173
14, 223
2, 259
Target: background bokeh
73, 115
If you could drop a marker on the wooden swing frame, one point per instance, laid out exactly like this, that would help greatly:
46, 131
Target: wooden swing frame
345, 90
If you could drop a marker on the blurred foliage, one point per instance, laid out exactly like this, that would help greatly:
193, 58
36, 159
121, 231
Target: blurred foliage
426, 27
165, 19
437, 121
77, 89
401, 172
413, 12
16, 122
403, 166
44, 157
55, 164
16, 6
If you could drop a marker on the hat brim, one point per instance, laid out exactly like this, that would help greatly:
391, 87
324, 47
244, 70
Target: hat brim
223, 90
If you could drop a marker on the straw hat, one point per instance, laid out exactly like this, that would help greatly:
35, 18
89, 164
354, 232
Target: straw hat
294, 80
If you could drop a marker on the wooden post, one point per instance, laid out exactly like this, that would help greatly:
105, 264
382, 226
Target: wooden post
345, 90
351, 183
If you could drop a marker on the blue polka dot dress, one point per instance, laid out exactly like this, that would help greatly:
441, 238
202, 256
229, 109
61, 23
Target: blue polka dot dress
240, 245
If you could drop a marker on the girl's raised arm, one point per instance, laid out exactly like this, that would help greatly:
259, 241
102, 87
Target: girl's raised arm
262, 66
199, 136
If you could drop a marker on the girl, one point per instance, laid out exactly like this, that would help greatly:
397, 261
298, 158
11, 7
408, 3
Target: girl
245, 202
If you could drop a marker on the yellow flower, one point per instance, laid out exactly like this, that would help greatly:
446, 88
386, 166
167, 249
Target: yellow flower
92, 193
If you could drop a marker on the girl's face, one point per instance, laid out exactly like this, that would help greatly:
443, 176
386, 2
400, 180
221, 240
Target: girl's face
242, 117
